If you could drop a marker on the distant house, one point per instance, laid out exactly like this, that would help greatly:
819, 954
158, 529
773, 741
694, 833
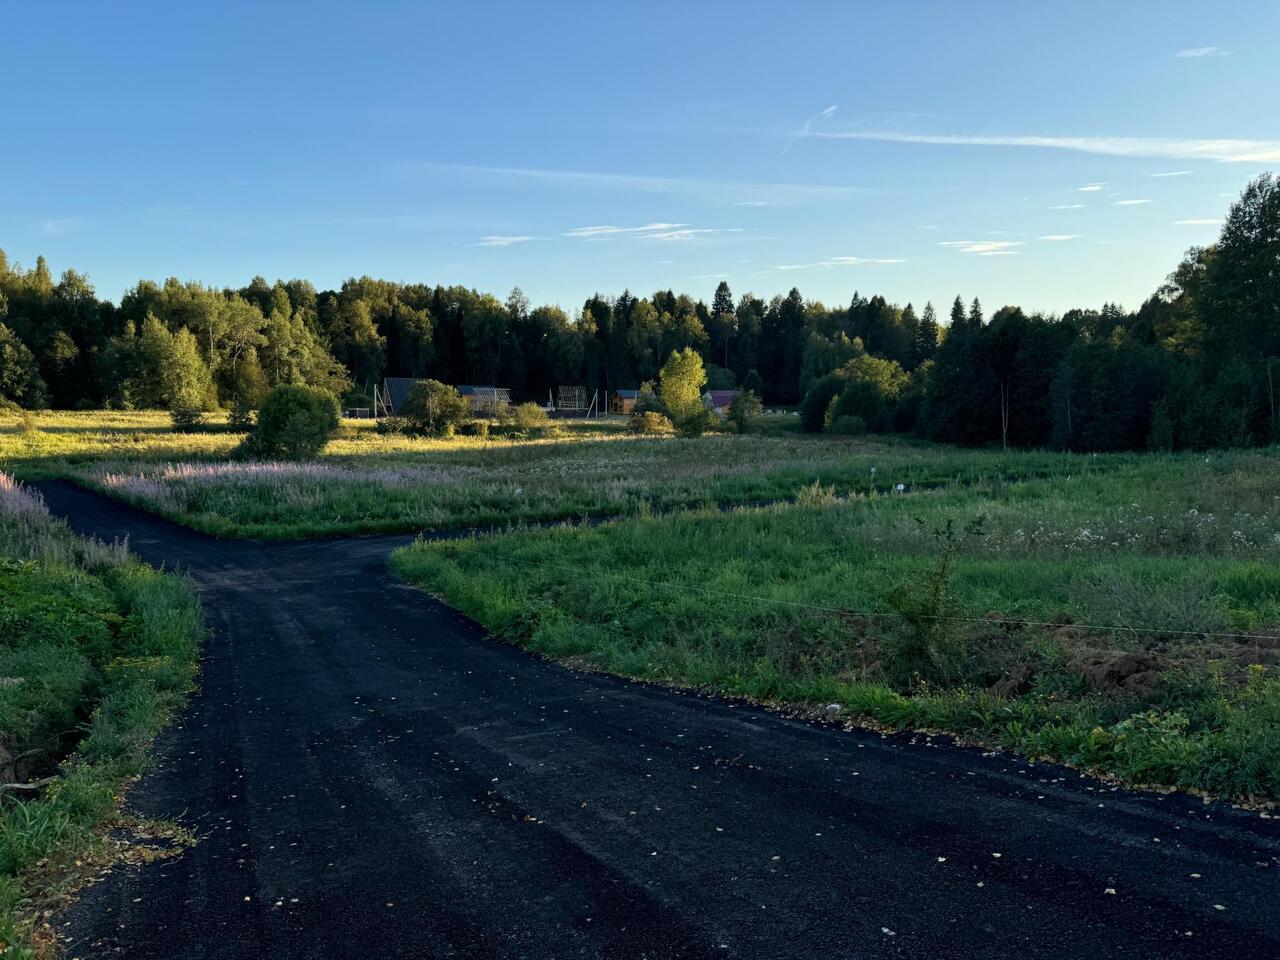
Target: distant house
623, 401
720, 400
486, 399
389, 399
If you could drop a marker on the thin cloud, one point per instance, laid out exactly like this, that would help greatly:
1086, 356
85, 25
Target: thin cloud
501, 241
689, 233
1130, 203
753, 203
608, 230
1168, 148
1066, 206
984, 248
1171, 173
61, 227
805, 130
1057, 237
1090, 188
1191, 53
709, 276
764, 191
839, 262
1205, 222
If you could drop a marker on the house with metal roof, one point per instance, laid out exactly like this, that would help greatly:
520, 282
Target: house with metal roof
720, 400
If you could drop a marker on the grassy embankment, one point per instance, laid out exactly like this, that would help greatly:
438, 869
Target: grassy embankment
96, 652
366, 482
1080, 621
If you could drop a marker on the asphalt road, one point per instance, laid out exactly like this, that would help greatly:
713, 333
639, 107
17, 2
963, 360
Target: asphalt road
372, 776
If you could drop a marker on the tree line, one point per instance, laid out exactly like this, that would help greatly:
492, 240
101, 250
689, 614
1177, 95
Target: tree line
1194, 366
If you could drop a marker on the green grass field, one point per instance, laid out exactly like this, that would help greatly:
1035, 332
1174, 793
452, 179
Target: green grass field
366, 482
1085, 617
96, 652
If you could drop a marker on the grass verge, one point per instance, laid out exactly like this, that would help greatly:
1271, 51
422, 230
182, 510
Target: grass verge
97, 651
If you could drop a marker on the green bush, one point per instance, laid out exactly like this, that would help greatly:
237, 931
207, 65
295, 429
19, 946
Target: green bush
186, 417
848, 426
649, 423
241, 415
744, 409
434, 409
294, 423
475, 428
698, 421
525, 420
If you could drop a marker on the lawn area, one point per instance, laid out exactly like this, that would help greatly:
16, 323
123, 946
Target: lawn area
96, 652
1092, 616
368, 482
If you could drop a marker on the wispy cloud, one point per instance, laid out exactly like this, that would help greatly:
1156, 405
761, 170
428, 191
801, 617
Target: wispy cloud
1168, 148
501, 241
609, 230
839, 262
984, 248
1067, 206
1196, 52
1170, 173
1130, 203
709, 276
753, 203
807, 129
688, 233
649, 231
1090, 188
1204, 222
1057, 237
774, 193
60, 227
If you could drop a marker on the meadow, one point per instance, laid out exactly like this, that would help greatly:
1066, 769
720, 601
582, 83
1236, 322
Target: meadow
367, 482
96, 652
1126, 621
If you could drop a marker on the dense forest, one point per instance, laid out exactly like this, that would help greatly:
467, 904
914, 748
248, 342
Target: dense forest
1194, 366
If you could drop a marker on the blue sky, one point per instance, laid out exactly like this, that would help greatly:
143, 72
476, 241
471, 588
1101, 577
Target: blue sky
1046, 155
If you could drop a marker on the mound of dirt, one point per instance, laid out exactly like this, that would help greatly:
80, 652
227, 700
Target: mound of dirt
1136, 672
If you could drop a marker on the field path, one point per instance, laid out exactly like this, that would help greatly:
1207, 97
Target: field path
374, 777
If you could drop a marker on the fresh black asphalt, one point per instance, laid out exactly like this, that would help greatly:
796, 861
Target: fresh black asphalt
371, 776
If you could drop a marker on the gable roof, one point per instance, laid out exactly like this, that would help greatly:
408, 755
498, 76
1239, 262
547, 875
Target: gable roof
396, 390
720, 398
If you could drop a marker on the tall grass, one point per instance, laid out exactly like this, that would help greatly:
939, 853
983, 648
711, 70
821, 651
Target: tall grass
1083, 623
96, 652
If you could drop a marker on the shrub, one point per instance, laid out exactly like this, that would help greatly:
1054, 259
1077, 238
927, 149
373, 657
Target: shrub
699, 421
294, 423
525, 420
241, 415
647, 401
744, 409
848, 426
186, 417
391, 426
434, 409
813, 411
651, 424
475, 428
